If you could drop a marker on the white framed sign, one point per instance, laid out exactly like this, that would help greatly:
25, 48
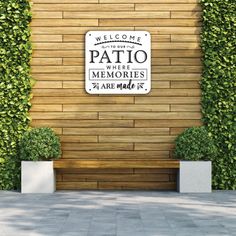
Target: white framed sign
118, 62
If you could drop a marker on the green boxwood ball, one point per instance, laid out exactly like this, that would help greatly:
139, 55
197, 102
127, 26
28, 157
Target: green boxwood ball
39, 144
195, 144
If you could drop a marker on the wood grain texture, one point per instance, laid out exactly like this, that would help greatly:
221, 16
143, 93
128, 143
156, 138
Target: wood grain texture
116, 107
148, 22
47, 15
115, 155
167, 123
138, 139
46, 38
84, 123
83, 100
148, 1
167, 100
115, 131
137, 185
70, 164
149, 115
185, 84
154, 146
116, 128
116, 177
98, 146
48, 84
116, 14
83, 7
167, 7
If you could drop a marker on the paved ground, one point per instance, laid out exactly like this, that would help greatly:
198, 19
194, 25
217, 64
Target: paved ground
123, 213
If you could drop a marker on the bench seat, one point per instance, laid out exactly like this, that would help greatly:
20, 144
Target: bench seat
116, 164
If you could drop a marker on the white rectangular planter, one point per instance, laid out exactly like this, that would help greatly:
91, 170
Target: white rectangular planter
194, 177
37, 177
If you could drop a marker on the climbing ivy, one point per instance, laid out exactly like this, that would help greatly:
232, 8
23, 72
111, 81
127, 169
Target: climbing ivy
15, 85
218, 41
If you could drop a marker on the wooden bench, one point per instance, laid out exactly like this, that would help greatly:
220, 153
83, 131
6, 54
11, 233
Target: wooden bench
116, 174
138, 163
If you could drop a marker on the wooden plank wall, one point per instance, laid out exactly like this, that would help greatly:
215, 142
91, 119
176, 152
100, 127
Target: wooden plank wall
93, 126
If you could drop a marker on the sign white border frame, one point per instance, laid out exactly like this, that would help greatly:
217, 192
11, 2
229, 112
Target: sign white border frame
116, 91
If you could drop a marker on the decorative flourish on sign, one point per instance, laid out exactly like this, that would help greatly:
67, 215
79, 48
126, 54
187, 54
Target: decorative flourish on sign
95, 86
130, 47
117, 41
105, 47
140, 85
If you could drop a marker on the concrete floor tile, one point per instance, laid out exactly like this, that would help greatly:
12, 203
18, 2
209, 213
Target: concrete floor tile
92, 233
77, 233
102, 227
130, 233
118, 213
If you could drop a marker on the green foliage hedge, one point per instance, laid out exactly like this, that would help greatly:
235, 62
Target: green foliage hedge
15, 85
218, 42
195, 144
39, 144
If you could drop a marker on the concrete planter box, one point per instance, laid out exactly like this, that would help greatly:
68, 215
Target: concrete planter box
194, 177
37, 177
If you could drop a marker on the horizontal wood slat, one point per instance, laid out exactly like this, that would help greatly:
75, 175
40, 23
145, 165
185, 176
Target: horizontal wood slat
116, 185
114, 155
71, 164
76, 185
83, 100
64, 116
116, 178
137, 185
167, 7
116, 107
150, 115
154, 146
167, 123
98, 146
167, 100
149, 1
64, 1
46, 38
138, 139
116, 14
115, 131
83, 123
148, 22
83, 7
65, 22
45, 92
47, 15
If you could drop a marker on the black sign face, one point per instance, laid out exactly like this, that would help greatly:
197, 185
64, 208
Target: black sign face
118, 62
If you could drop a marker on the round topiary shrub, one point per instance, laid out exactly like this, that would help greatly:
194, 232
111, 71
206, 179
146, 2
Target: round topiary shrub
195, 144
39, 144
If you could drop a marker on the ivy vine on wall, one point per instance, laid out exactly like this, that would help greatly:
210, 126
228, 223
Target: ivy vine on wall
15, 85
218, 41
